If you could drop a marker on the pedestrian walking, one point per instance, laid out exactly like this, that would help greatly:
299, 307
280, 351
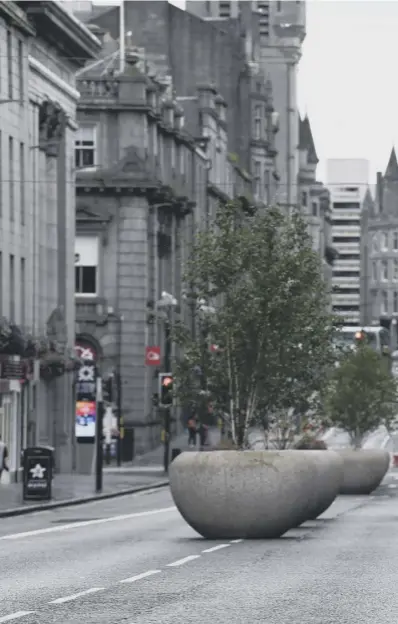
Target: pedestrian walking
192, 431
203, 430
3, 457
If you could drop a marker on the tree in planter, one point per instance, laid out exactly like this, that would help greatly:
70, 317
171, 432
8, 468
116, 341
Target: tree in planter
270, 319
362, 394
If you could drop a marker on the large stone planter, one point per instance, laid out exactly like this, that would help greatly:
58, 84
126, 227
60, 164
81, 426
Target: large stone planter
326, 483
364, 470
330, 473
243, 494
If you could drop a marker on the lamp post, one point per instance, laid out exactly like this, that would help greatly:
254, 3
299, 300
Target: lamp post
167, 303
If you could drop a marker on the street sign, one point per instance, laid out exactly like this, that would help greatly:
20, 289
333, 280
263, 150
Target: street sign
152, 356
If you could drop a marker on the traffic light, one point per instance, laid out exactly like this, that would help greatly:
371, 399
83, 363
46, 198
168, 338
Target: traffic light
107, 389
361, 337
166, 383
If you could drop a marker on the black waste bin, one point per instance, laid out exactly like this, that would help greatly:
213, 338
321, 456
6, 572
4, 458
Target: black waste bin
175, 452
38, 465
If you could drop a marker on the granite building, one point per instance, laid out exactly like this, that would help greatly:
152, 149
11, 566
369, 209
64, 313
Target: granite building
379, 249
221, 53
41, 47
151, 168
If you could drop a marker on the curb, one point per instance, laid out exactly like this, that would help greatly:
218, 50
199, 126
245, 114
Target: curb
72, 502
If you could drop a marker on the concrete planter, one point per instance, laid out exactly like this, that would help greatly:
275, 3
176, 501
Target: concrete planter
243, 494
325, 484
330, 474
364, 470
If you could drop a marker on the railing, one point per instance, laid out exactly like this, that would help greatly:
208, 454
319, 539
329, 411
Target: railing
97, 89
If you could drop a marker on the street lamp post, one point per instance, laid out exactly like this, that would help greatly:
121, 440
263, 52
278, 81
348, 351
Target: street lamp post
167, 302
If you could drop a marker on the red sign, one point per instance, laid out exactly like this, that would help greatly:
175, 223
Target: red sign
152, 356
214, 348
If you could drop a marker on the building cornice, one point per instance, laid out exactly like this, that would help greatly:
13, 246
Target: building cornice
13, 15
53, 23
57, 82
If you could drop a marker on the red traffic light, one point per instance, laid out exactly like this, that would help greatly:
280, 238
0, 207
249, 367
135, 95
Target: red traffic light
167, 381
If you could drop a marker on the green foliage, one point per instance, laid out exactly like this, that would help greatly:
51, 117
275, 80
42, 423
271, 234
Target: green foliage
270, 320
310, 443
362, 394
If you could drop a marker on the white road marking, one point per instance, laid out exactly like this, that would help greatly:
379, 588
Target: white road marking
214, 548
138, 577
77, 525
237, 541
182, 561
15, 616
93, 590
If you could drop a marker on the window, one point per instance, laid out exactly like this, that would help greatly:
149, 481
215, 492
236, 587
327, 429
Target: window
267, 185
395, 270
11, 177
304, 198
9, 64
384, 303
86, 265
345, 222
346, 239
20, 71
257, 122
173, 158
374, 271
314, 209
384, 241
395, 303
12, 289
375, 243
257, 178
22, 180
342, 290
345, 308
22, 283
346, 206
349, 256
182, 159
395, 241
85, 147
346, 274
1, 175
384, 271
1, 285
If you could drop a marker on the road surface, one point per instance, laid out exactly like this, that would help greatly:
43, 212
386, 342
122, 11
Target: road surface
133, 560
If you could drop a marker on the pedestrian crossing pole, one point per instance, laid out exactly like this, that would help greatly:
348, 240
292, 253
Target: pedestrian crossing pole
98, 435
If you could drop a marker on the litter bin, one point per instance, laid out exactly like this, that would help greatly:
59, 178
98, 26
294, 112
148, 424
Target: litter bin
38, 465
175, 452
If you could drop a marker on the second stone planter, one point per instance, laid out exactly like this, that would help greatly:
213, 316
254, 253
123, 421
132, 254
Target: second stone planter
364, 470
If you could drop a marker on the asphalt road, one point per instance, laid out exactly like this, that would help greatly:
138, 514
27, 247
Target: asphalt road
133, 560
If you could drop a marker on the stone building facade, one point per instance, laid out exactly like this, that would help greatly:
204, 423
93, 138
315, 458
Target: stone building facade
222, 53
152, 167
314, 201
379, 249
41, 47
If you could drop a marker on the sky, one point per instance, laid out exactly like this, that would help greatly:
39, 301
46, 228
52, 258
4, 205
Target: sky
347, 82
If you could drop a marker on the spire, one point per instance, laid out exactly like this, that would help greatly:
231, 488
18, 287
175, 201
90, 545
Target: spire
392, 167
306, 140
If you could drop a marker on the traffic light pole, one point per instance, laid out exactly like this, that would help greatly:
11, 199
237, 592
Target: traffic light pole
167, 416
98, 437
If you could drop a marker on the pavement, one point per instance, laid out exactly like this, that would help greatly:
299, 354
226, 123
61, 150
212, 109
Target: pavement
146, 471
133, 560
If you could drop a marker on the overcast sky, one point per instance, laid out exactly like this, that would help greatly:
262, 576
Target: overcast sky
347, 81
